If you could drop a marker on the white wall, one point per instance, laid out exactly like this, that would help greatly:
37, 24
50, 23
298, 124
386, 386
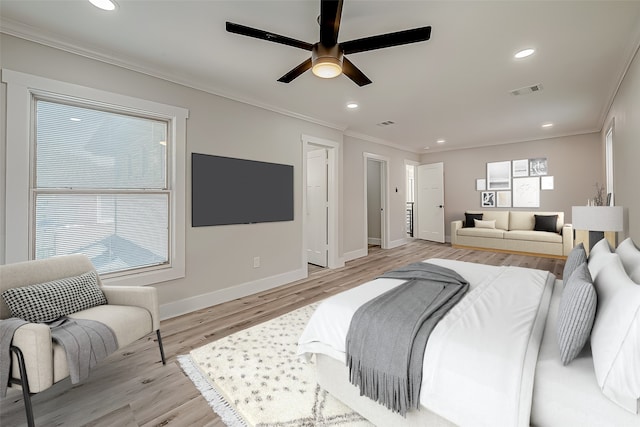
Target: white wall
219, 260
625, 112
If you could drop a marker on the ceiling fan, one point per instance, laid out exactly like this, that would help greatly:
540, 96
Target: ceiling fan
328, 56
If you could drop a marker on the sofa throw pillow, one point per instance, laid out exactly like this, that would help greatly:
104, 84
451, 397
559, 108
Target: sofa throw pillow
615, 338
576, 257
46, 302
546, 223
630, 257
576, 313
485, 224
468, 219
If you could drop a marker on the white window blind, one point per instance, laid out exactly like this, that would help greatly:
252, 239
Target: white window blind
100, 186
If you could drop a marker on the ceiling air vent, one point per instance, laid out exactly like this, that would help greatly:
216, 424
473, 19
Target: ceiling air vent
386, 123
527, 89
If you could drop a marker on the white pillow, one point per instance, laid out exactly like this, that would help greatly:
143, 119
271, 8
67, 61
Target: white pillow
485, 223
596, 263
630, 257
615, 338
602, 247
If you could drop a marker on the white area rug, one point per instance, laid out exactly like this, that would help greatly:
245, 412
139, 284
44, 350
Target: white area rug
254, 378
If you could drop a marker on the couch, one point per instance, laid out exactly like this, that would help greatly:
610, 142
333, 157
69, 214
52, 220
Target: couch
131, 312
514, 232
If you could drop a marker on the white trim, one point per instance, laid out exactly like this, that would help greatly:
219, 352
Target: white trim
188, 305
358, 253
384, 190
20, 89
399, 242
333, 237
374, 241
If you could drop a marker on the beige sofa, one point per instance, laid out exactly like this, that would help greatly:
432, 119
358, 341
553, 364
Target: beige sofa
514, 233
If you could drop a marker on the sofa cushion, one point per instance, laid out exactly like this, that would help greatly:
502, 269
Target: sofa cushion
484, 223
546, 223
469, 217
630, 257
576, 313
46, 302
535, 236
525, 220
494, 233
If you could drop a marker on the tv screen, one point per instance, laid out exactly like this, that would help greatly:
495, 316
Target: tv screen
226, 191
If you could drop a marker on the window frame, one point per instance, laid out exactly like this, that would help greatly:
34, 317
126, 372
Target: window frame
22, 91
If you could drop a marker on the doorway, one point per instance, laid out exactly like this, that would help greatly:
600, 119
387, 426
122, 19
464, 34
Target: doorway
317, 204
376, 204
431, 202
330, 220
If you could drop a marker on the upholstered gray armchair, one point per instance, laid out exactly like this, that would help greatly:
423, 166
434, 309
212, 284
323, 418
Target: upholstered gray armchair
37, 362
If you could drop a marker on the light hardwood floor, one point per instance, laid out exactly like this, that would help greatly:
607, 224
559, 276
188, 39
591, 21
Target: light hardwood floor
133, 388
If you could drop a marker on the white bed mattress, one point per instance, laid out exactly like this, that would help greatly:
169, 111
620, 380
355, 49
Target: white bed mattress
562, 395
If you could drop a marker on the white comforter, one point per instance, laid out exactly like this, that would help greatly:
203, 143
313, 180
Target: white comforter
480, 359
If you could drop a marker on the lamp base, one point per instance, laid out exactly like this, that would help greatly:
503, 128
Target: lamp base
589, 238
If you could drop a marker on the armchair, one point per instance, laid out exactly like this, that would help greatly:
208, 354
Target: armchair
36, 361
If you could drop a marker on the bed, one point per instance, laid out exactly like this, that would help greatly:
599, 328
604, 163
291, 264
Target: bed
492, 360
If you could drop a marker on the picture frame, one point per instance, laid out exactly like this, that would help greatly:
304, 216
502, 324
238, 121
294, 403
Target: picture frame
538, 166
481, 184
520, 168
546, 182
488, 199
503, 199
499, 175
526, 192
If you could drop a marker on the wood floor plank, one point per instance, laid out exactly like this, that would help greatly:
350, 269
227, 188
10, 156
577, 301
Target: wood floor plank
132, 387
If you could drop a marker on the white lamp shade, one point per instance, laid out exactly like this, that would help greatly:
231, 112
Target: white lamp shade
597, 218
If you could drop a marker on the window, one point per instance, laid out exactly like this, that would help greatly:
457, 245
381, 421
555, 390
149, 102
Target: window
105, 178
100, 186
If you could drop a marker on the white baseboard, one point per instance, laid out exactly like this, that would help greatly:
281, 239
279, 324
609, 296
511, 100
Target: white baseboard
399, 242
198, 302
359, 253
374, 241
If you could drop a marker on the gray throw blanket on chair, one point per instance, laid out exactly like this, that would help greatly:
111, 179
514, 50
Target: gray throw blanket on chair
86, 342
388, 335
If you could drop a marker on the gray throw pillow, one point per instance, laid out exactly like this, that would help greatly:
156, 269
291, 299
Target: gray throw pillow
576, 257
576, 313
46, 302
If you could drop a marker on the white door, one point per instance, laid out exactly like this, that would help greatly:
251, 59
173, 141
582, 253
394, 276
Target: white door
431, 202
317, 207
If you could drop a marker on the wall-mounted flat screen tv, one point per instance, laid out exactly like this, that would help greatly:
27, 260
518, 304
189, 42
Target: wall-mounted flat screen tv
226, 191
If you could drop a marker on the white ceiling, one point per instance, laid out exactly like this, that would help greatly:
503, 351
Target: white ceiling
453, 87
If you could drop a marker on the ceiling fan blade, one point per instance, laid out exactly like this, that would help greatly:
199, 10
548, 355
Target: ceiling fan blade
387, 40
296, 72
265, 35
330, 13
351, 71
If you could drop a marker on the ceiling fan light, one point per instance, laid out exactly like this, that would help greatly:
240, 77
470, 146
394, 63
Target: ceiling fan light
104, 4
327, 68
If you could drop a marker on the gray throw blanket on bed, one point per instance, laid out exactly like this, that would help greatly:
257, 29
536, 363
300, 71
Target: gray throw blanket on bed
388, 335
86, 342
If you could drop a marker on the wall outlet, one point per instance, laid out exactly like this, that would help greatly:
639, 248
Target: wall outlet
256, 261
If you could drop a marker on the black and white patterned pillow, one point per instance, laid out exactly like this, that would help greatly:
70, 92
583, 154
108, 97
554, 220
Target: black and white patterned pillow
576, 313
46, 302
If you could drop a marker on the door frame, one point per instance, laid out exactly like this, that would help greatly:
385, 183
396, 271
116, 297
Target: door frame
384, 191
333, 154
415, 195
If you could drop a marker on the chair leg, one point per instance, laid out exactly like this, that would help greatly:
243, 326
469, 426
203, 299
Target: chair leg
164, 362
24, 383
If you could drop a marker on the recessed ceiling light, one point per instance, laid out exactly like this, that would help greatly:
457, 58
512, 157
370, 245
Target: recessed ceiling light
352, 105
547, 125
104, 4
426, 148
75, 119
524, 53
441, 141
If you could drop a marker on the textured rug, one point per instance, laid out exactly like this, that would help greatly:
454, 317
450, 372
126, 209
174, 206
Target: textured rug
254, 378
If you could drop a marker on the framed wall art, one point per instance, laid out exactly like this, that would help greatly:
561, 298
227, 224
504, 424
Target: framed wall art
538, 166
520, 168
546, 182
481, 184
503, 199
488, 199
526, 192
499, 175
